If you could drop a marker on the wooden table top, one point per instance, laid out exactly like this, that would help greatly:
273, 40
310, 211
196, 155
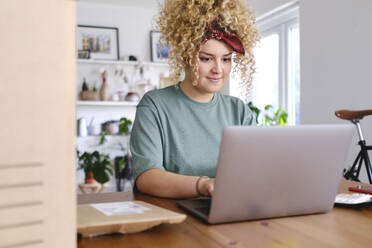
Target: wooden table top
341, 227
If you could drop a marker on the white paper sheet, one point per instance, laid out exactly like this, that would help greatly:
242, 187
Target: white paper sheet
353, 198
119, 208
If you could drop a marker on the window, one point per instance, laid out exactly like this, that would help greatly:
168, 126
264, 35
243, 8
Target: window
277, 77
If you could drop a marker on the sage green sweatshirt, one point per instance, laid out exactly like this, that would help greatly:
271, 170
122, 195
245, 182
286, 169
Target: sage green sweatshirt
174, 133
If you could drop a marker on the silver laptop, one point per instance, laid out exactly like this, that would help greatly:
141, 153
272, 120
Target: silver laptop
267, 172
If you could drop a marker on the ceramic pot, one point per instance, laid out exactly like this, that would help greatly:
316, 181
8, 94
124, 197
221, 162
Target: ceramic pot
89, 178
112, 128
132, 97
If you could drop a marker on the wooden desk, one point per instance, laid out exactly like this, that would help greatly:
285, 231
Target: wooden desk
338, 228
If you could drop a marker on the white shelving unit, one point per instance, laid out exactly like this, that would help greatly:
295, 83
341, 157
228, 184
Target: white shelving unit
91, 70
106, 103
121, 62
97, 112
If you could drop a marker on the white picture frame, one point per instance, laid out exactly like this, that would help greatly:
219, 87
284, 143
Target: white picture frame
158, 55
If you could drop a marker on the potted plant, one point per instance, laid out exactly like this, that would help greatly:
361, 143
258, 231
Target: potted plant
96, 166
88, 95
122, 127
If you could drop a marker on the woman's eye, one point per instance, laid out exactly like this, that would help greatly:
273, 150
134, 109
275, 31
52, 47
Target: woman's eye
226, 59
204, 59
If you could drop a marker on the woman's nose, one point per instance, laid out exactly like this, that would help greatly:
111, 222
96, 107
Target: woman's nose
217, 67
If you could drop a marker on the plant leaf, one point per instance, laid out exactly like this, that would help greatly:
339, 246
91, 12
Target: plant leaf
101, 175
269, 106
121, 164
103, 138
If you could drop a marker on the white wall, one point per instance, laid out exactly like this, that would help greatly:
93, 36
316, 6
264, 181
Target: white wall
264, 6
134, 25
335, 59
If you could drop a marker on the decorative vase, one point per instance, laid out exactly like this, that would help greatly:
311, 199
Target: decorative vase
103, 92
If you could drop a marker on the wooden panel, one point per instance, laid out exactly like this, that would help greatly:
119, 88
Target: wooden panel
22, 208
23, 234
22, 213
37, 99
22, 194
20, 173
33, 244
21, 185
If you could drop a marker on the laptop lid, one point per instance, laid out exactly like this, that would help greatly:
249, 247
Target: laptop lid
266, 172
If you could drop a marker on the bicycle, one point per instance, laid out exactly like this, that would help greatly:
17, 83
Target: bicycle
353, 172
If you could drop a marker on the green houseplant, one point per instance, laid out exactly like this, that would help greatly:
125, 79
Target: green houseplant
274, 117
269, 116
124, 128
96, 166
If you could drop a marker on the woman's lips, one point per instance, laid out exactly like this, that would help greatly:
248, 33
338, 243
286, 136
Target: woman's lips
214, 79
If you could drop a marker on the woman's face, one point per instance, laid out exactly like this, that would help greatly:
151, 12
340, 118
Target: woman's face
214, 66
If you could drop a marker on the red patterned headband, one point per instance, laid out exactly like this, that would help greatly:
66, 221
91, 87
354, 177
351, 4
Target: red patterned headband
230, 39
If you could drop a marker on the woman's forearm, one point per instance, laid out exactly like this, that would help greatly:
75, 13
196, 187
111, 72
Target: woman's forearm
167, 184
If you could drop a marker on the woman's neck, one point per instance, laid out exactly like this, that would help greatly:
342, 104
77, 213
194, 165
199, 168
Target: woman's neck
194, 93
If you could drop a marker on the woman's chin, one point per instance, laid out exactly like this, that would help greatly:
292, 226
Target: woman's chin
213, 87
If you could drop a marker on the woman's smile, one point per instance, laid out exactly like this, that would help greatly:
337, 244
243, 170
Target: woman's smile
214, 79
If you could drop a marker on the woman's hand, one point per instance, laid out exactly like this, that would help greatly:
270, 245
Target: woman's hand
206, 186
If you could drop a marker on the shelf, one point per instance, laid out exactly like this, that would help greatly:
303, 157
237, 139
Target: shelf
120, 62
105, 103
97, 137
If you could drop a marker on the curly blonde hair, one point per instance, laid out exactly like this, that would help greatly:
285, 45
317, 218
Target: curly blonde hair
183, 24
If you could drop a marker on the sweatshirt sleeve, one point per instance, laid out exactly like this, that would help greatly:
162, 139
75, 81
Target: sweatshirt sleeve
146, 138
248, 117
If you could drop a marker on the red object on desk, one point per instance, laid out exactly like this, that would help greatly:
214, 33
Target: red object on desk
361, 189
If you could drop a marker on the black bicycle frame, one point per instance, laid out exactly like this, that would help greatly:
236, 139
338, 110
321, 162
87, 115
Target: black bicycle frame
353, 172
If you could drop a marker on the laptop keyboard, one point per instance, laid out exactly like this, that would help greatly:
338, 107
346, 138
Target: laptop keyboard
199, 207
204, 205
204, 210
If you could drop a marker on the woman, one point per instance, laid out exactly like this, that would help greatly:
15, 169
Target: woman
177, 131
